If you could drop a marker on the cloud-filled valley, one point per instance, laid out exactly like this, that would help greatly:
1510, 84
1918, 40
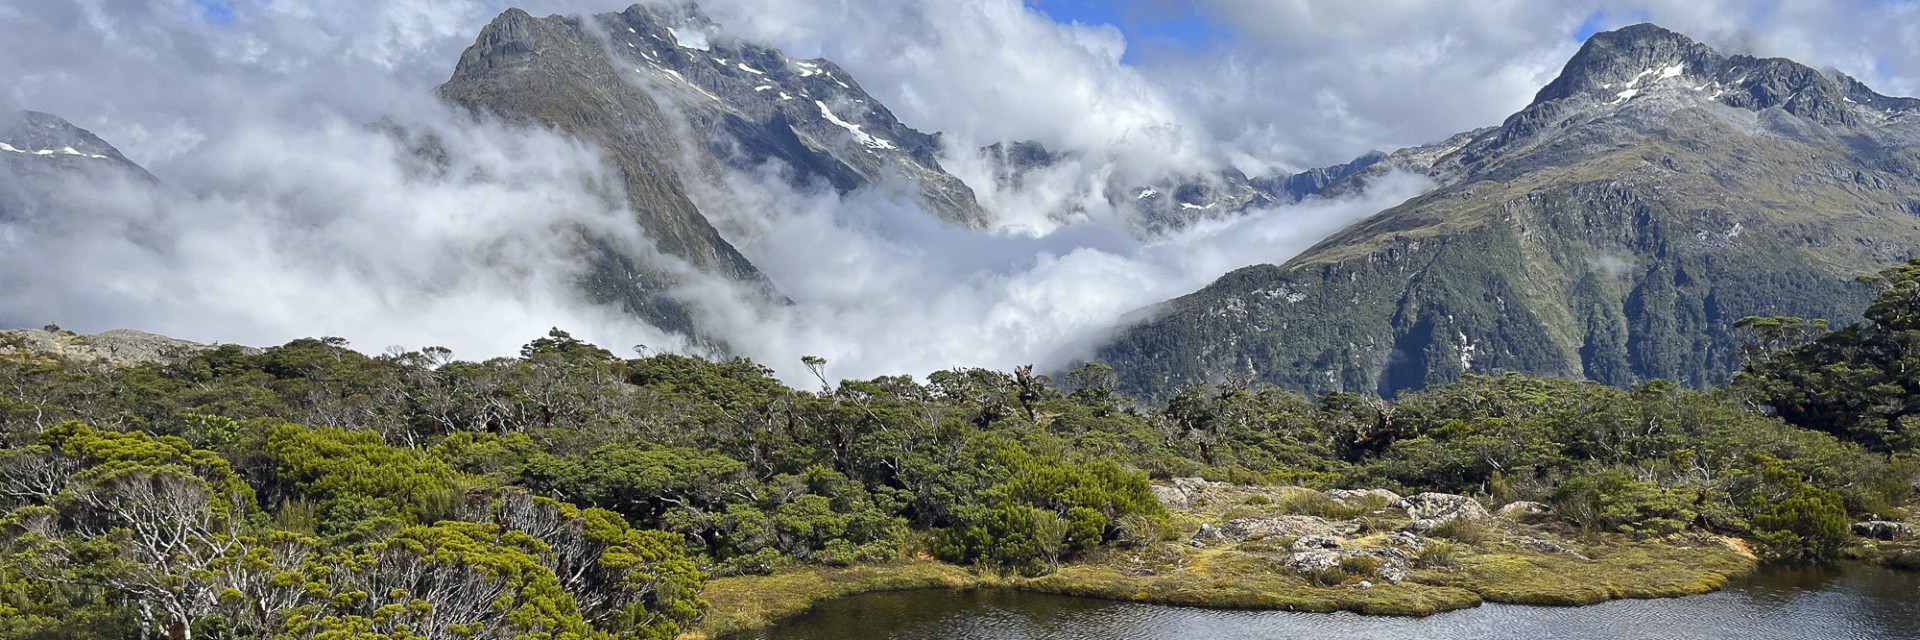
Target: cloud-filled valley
286, 214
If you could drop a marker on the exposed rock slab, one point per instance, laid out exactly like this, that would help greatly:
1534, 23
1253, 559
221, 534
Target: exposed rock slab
119, 346
1250, 529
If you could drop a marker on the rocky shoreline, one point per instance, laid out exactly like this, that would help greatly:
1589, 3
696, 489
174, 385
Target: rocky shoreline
1368, 551
1374, 551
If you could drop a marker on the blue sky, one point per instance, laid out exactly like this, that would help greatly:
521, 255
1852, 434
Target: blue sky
1180, 24
218, 12
1147, 23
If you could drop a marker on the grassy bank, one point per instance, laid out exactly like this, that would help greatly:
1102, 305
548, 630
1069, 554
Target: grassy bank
1233, 579
1616, 569
1245, 576
746, 603
1903, 555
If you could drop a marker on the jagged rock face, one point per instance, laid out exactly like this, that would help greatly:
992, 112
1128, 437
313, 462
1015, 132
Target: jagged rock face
674, 102
1013, 161
33, 135
1615, 229
1181, 201
555, 72
753, 104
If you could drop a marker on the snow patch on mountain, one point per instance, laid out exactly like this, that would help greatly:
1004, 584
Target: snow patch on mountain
859, 135
690, 39
63, 151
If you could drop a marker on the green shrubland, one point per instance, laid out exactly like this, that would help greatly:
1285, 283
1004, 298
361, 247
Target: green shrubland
309, 490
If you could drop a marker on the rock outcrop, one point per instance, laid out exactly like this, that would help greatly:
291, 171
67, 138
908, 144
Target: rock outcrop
1884, 530
117, 347
1253, 529
1430, 510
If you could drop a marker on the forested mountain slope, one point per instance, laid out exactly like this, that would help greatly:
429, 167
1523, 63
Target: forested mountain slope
1653, 194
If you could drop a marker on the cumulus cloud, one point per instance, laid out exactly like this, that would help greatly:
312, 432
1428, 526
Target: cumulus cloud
1315, 82
985, 71
332, 229
288, 217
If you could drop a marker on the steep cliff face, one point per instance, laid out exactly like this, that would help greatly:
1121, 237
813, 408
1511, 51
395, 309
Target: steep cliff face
675, 102
556, 72
1649, 197
745, 105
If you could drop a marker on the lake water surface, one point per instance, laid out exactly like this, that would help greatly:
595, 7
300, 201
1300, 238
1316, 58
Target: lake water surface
1859, 602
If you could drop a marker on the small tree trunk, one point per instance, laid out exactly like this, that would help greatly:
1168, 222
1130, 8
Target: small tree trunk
146, 621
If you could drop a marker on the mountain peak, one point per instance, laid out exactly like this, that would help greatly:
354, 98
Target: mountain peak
1646, 71
48, 135
670, 14
1626, 57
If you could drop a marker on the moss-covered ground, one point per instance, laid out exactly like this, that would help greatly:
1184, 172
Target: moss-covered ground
1490, 566
1903, 555
1617, 568
746, 603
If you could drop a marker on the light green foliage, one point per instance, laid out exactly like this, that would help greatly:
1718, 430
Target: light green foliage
1044, 509
357, 483
446, 580
1613, 501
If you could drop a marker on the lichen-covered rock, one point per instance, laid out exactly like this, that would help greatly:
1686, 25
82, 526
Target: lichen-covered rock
1390, 564
1345, 496
1442, 507
1313, 560
117, 347
1411, 541
1393, 571
1305, 543
1883, 530
1191, 494
1187, 493
1549, 546
1247, 529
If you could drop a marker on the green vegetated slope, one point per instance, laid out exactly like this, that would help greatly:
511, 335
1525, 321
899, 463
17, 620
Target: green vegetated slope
1591, 235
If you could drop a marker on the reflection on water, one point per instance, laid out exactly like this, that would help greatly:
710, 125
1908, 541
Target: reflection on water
1864, 603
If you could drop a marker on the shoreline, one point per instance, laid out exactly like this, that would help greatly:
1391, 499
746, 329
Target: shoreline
1644, 570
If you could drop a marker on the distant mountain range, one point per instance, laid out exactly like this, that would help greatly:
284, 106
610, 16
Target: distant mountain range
1615, 228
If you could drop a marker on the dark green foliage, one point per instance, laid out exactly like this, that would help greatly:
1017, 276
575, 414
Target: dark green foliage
1044, 510
1854, 383
1613, 501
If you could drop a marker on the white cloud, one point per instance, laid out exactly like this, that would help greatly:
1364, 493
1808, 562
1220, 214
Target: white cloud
332, 230
882, 287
